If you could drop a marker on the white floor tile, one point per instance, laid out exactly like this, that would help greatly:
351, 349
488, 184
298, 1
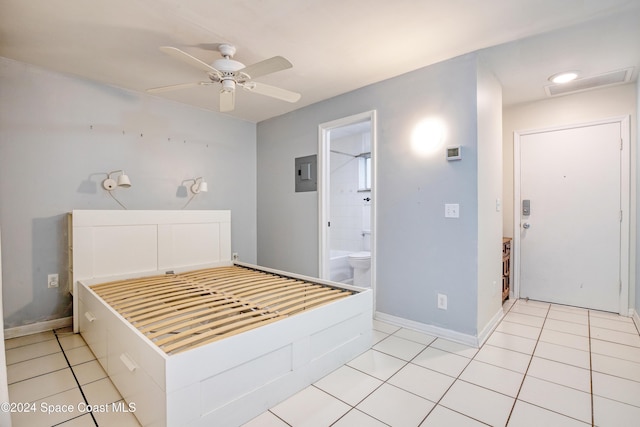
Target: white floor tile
79, 355
266, 419
562, 354
357, 418
479, 403
311, 408
533, 303
120, 419
399, 347
101, 392
416, 336
32, 351
377, 336
518, 329
611, 413
616, 367
51, 417
29, 339
441, 416
560, 373
524, 319
387, 328
424, 382
512, 342
530, 310
396, 407
580, 318
377, 364
612, 349
42, 386
557, 398
89, 372
34, 367
616, 388
564, 339
608, 315
71, 340
527, 415
348, 384
613, 324
81, 421
442, 361
615, 336
567, 327
493, 377
569, 308
454, 347
504, 358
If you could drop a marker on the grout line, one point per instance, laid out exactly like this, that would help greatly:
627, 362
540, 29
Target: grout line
75, 378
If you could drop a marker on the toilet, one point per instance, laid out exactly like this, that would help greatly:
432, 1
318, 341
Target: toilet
361, 262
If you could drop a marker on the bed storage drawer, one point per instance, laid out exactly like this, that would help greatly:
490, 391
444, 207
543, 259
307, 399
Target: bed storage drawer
93, 324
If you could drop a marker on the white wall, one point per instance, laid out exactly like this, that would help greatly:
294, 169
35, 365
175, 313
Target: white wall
420, 253
489, 197
5, 416
59, 134
571, 109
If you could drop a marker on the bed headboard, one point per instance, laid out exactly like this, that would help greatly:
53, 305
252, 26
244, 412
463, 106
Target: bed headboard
137, 243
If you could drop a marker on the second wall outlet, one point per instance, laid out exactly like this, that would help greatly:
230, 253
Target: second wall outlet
52, 280
442, 301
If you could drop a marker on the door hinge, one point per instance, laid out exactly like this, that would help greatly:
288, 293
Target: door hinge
619, 286
621, 143
329, 224
620, 215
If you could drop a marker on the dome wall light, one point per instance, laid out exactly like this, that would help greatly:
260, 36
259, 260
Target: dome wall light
123, 181
428, 136
564, 77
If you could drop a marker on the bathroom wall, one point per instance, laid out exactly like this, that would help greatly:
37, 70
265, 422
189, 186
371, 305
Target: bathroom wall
350, 213
58, 137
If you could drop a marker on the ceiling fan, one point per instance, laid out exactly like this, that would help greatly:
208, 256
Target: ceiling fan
230, 74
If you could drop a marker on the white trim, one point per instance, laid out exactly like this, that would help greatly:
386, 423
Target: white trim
436, 331
636, 318
323, 195
625, 202
35, 328
489, 327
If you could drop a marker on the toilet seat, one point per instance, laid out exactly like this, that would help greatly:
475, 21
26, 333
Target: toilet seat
360, 255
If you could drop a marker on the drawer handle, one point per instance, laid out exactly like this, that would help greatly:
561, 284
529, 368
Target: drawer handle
130, 364
90, 317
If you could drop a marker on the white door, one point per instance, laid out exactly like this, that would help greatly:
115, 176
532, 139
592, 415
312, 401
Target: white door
570, 241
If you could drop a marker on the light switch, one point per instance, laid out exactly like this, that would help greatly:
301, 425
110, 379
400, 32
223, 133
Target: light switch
452, 210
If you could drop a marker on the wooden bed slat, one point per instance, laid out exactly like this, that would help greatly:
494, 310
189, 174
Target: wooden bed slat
182, 311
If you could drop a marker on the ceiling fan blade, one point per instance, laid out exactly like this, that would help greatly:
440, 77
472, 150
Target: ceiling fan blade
191, 60
273, 91
227, 101
175, 87
268, 66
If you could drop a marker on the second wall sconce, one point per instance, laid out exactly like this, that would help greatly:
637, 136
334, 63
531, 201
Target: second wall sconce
123, 181
199, 187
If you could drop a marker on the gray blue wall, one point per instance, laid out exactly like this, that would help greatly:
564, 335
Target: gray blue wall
58, 135
419, 252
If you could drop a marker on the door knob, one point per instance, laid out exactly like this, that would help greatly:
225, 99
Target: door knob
526, 225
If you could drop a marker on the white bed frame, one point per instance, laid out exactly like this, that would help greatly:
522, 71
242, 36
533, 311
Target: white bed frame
224, 383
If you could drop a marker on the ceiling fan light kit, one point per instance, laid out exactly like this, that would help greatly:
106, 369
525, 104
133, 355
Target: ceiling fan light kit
230, 73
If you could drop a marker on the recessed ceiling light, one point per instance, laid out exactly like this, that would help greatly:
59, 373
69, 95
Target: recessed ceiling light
564, 77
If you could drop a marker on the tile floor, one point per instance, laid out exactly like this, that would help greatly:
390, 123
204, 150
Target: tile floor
543, 365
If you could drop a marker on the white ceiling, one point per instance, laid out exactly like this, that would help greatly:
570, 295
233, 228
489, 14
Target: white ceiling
335, 46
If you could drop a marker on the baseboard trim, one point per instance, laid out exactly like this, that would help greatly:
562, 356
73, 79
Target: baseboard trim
436, 331
488, 329
636, 319
35, 328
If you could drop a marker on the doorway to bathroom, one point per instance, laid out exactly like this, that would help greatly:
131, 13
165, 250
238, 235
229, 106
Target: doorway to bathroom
347, 199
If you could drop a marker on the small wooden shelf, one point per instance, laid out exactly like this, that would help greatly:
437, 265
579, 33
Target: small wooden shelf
506, 267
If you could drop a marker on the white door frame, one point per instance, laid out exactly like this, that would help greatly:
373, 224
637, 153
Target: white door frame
625, 195
324, 174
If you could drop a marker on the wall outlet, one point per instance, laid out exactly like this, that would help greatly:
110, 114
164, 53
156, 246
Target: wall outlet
52, 280
235, 256
442, 301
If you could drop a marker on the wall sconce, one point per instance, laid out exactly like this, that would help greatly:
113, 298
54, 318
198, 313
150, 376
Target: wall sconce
199, 187
123, 181
428, 136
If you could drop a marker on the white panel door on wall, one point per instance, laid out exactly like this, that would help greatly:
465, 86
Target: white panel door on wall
570, 241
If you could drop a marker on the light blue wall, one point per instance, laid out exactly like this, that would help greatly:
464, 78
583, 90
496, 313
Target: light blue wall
637, 260
58, 133
419, 252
